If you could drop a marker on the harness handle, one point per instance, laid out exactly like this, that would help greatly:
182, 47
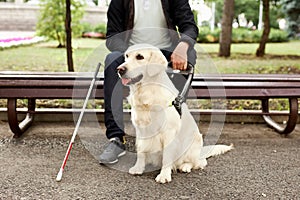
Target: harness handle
177, 103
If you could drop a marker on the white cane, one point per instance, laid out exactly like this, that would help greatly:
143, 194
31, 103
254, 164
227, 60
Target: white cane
60, 173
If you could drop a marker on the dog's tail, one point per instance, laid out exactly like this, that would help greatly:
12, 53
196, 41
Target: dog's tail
214, 150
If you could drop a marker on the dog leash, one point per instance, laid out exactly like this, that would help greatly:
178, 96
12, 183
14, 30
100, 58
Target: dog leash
178, 101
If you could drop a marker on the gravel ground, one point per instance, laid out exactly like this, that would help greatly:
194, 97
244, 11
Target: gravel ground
263, 165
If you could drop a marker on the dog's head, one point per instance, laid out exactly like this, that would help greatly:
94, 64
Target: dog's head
141, 61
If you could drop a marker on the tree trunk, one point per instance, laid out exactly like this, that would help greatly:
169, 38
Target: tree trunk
69, 36
225, 37
260, 52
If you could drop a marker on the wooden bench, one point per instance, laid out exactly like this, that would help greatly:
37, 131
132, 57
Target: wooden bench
56, 85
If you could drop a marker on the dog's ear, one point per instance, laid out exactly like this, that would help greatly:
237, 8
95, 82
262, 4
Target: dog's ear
157, 63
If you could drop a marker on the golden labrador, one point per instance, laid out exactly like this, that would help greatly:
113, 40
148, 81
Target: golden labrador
163, 137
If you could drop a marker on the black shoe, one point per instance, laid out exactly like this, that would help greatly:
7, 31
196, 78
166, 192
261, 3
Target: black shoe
112, 151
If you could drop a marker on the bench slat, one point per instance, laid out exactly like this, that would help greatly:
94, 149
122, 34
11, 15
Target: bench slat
195, 84
47, 83
45, 93
250, 93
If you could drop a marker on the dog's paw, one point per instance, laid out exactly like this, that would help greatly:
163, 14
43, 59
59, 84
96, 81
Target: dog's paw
202, 163
136, 170
163, 178
186, 167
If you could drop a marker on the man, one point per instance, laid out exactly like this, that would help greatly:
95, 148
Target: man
142, 21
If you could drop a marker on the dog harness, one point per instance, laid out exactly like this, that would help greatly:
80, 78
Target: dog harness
177, 104
178, 101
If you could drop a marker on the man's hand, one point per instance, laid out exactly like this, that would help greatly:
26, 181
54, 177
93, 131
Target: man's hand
179, 56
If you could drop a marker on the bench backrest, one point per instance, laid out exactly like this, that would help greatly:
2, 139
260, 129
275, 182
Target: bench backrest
75, 85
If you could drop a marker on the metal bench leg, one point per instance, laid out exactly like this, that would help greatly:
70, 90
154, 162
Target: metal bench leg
292, 121
19, 128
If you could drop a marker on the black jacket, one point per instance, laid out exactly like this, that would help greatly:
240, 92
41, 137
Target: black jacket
121, 18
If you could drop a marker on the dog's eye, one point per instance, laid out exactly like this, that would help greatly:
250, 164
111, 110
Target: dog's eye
126, 55
139, 57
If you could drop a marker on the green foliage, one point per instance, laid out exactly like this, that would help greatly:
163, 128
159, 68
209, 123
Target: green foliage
100, 28
195, 16
277, 35
51, 21
246, 36
90, 31
208, 36
241, 35
292, 10
251, 10
87, 27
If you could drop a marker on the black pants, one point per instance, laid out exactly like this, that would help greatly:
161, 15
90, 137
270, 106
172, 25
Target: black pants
113, 92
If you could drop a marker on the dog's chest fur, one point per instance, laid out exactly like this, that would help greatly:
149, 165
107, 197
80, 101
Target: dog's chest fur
149, 101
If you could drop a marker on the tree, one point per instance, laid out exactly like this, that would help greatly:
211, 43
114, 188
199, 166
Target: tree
69, 36
260, 52
226, 32
51, 21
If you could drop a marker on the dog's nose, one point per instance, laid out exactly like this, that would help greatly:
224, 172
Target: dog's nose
121, 70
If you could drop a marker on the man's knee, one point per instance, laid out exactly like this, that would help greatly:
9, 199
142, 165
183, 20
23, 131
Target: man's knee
114, 57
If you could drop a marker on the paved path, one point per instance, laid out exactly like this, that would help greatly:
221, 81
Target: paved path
263, 165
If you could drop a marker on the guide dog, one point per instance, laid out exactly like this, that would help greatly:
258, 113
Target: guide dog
163, 136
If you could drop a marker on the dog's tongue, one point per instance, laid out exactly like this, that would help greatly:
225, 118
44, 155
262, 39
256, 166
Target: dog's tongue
125, 81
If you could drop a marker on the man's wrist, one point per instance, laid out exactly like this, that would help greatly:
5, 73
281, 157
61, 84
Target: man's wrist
184, 45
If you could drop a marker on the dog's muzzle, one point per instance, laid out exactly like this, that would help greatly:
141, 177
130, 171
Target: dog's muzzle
127, 80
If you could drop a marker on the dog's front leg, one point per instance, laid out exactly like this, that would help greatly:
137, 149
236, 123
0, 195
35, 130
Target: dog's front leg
140, 164
167, 163
165, 175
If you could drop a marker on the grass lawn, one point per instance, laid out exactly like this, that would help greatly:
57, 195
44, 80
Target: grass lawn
286, 48
280, 58
46, 57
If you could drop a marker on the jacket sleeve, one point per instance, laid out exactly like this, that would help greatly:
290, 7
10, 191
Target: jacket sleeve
183, 18
115, 35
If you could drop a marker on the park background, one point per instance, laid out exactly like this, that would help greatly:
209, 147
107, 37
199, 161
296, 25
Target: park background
264, 165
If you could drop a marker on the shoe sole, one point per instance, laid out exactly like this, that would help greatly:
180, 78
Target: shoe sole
114, 161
